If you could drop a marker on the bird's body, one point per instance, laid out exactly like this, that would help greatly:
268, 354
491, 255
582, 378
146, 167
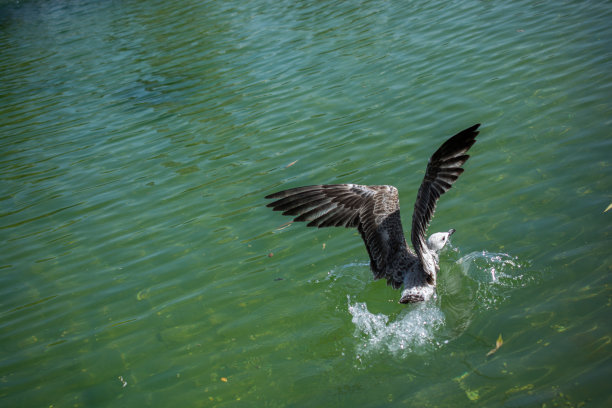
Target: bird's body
375, 212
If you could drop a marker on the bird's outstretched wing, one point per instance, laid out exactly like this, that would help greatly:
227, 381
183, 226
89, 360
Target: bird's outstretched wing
443, 169
373, 210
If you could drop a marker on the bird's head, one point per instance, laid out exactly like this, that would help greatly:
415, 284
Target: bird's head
438, 240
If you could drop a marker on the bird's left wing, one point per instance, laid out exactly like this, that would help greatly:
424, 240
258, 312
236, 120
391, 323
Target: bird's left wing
373, 210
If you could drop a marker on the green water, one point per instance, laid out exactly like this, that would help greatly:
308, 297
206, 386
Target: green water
140, 267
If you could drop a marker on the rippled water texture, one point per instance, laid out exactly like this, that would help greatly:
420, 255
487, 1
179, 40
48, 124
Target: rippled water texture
139, 264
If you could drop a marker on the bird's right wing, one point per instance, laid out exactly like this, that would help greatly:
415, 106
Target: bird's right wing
443, 169
373, 210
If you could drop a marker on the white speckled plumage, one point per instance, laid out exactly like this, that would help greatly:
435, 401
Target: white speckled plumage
374, 211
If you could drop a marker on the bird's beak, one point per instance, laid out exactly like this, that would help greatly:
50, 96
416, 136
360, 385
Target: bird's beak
451, 232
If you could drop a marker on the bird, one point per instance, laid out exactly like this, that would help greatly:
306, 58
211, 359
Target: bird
375, 211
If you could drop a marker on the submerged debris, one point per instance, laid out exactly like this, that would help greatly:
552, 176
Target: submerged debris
123, 382
285, 225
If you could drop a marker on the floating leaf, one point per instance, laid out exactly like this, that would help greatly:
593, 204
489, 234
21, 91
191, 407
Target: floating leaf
498, 344
607, 208
223, 379
291, 164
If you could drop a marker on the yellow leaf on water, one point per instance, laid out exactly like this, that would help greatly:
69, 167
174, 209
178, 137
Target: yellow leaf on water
223, 379
609, 207
498, 344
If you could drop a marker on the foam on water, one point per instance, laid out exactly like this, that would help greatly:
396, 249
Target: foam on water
414, 330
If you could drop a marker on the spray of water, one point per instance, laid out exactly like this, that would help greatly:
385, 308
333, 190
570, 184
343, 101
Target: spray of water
422, 327
496, 276
413, 331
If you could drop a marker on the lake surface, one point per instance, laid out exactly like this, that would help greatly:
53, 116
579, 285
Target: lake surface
140, 266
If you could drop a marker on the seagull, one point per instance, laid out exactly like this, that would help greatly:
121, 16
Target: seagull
375, 212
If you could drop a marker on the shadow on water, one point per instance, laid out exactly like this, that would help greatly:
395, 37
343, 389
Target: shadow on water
475, 282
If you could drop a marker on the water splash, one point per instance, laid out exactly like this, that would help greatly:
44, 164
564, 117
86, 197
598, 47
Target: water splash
495, 275
493, 267
423, 327
414, 330
352, 274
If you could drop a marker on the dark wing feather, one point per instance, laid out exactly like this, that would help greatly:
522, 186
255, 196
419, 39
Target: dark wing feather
373, 210
443, 169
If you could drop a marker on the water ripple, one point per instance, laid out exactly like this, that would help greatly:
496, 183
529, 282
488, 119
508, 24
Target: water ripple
137, 145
